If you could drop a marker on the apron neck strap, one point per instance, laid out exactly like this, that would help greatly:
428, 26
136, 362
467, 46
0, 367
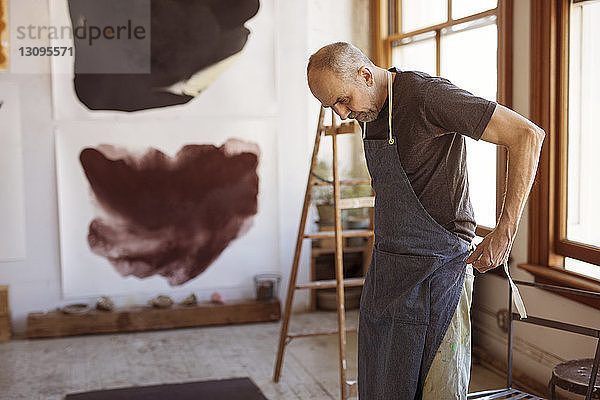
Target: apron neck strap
391, 139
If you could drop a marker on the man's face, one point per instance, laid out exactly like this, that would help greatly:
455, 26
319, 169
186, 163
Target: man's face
354, 99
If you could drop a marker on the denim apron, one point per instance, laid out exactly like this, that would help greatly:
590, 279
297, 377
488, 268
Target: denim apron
412, 286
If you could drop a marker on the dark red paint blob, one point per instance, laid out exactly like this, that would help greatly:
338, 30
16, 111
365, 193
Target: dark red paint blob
170, 216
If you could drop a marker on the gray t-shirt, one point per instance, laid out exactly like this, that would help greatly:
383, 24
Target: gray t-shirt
430, 116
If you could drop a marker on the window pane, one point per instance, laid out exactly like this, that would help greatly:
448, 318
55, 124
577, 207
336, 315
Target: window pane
418, 55
417, 14
481, 167
464, 8
583, 173
469, 55
583, 268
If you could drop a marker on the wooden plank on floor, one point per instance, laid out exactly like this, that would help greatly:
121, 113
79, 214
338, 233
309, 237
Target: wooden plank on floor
142, 318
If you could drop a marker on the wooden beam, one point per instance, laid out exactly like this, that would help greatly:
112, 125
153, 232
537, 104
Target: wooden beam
4, 306
443, 25
505, 52
562, 134
5, 330
357, 202
5, 320
378, 32
144, 318
398, 16
539, 202
505, 89
580, 251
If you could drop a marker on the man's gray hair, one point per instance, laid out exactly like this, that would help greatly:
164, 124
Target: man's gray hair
341, 58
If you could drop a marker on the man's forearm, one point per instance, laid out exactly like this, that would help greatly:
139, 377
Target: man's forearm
523, 158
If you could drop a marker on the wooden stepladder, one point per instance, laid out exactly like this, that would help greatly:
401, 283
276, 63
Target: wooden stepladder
348, 388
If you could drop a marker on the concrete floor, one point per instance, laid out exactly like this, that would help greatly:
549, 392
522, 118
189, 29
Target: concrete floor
50, 368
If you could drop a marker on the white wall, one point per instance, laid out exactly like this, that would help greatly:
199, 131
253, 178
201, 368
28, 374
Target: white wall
302, 28
326, 22
537, 349
35, 281
332, 21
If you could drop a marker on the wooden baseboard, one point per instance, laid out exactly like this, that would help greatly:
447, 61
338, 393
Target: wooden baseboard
144, 318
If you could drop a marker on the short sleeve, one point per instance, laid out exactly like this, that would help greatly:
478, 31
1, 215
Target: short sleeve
455, 109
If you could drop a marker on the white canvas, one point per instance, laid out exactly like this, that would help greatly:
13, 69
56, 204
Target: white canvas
86, 274
246, 89
12, 213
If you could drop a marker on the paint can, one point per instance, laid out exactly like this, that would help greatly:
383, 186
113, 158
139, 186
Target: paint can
267, 286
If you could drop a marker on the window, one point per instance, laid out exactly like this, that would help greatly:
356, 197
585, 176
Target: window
467, 42
564, 216
583, 142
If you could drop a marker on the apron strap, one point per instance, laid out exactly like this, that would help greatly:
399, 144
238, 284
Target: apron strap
391, 139
390, 97
516, 296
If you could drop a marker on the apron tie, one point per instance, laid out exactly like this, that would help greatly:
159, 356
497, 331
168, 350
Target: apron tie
516, 296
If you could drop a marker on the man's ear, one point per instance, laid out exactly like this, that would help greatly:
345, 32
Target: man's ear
366, 75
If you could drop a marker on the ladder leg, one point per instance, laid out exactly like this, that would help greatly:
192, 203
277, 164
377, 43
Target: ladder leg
296, 262
339, 271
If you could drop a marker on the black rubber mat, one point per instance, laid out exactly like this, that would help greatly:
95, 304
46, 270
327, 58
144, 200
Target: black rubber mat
225, 389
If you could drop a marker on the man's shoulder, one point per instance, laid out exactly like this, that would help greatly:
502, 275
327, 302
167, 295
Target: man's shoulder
416, 84
422, 78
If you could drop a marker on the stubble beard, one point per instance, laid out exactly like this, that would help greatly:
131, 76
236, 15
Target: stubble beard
366, 116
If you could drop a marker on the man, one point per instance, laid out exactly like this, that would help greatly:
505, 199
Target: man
414, 324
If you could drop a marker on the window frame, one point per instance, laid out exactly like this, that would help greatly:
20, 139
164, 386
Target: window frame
383, 34
547, 243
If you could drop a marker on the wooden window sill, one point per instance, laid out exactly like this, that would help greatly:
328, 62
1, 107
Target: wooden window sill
560, 277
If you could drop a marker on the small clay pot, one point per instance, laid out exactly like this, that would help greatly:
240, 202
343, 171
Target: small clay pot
105, 303
191, 300
161, 302
76, 308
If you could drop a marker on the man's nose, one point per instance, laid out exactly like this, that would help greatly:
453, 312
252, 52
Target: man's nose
341, 110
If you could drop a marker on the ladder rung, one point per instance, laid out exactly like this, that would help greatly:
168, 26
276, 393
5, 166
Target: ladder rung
343, 182
357, 202
331, 283
318, 333
317, 251
345, 127
345, 233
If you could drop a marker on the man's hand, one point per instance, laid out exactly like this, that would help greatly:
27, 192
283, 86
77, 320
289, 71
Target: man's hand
493, 250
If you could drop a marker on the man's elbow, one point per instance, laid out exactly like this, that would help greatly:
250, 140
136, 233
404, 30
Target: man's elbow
534, 137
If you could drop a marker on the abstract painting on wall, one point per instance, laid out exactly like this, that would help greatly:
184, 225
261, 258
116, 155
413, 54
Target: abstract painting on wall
176, 57
4, 35
12, 199
146, 207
